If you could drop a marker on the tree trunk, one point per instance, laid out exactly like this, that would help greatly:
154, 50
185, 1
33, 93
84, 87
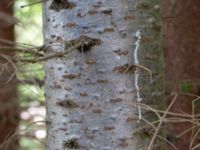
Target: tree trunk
93, 94
9, 110
181, 29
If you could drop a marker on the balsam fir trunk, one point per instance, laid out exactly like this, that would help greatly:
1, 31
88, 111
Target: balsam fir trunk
9, 104
93, 92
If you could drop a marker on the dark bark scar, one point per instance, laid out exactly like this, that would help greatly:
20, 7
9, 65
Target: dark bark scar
68, 104
57, 5
71, 144
87, 43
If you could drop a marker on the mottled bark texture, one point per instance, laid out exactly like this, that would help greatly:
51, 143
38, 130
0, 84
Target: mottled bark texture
91, 94
181, 30
8, 97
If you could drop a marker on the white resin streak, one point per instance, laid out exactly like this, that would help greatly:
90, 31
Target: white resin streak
137, 74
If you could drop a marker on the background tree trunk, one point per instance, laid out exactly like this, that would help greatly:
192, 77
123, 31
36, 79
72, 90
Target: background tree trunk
9, 108
181, 30
93, 93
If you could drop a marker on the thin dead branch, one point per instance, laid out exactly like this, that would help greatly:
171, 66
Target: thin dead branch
159, 125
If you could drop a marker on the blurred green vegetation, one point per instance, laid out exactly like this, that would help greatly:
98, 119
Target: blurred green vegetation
28, 144
29, 27
28, 30
185, 87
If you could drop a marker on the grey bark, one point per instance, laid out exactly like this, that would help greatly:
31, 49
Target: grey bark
91, 93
